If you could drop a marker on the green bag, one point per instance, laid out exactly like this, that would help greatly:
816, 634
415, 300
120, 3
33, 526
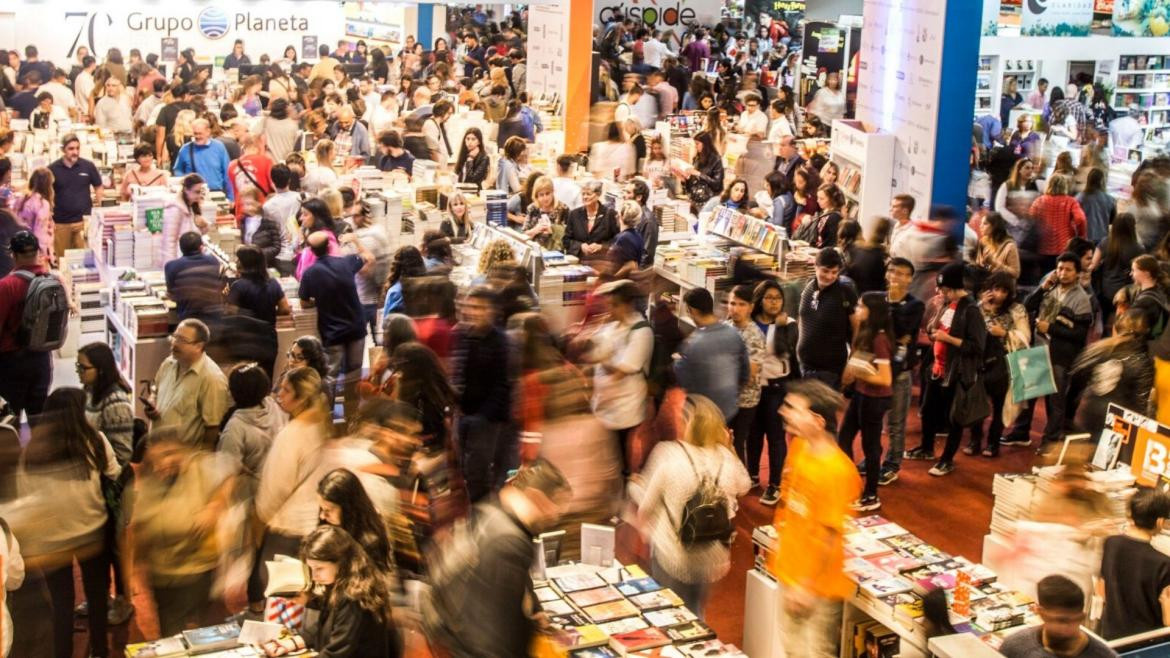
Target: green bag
1031, 371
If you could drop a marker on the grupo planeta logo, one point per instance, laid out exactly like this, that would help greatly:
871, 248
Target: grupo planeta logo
1038, 7
213, 23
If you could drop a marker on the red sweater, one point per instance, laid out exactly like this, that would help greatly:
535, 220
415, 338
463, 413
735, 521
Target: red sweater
1058, 218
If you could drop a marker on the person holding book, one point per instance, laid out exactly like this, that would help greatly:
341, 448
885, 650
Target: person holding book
351, 596
870, 372
181, 494
820, 483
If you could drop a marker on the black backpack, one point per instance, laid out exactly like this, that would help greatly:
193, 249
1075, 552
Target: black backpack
706, 516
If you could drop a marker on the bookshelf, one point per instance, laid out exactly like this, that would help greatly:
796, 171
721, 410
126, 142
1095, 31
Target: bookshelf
1144, 81
983, 86
866, 160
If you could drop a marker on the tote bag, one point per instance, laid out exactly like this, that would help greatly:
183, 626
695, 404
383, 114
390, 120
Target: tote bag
1031, 371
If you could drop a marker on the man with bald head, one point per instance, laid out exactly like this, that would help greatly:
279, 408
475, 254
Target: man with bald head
328, 285
206, 157
349, 134
788, 158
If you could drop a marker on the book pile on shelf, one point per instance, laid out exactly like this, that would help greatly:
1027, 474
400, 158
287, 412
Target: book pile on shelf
872, 639
669, 219
687, 124
622, 612
894, 569
682, 147
746, 230
1013, 502
799, 260
564, 285
110, 221
141, 307
220, 641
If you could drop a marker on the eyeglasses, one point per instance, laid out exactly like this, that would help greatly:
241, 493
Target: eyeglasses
773, 298
82, 367
293, 356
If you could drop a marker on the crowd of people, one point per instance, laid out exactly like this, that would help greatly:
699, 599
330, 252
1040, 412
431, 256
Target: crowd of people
476, 408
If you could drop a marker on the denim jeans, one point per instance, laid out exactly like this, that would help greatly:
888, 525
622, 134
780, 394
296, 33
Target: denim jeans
1055, 407
345, 367
480, 447
896, 423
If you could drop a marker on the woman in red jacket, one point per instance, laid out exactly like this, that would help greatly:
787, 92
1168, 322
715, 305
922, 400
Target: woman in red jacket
1058, 217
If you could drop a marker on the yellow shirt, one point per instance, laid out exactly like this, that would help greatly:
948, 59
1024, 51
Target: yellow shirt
192, 399
818, 487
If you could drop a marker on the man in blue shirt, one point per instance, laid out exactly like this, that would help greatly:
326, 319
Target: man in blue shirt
475, 56
713, 361
76, 181
206, 157
329, 286
992, 130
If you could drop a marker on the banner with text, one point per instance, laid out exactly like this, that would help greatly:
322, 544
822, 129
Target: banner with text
1056, 18
665, 15
208, 27
548, 51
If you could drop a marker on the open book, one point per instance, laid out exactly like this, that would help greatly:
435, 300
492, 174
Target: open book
286, 576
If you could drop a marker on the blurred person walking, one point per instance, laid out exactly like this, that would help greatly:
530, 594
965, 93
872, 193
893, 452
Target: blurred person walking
779, 367
59, 516
819, 486
701, 463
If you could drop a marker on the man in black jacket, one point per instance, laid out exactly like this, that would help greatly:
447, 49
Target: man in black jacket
827, 323
481, 602
1063, 313
958, 336
484, 389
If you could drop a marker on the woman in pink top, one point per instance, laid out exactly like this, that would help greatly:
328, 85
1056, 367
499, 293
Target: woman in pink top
315, 216
183, 214
36, 211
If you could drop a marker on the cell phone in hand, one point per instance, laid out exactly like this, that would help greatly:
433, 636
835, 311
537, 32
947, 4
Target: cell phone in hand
147, 393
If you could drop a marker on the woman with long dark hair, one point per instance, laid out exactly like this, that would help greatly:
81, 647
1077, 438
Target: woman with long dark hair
472, 164
183, 214
870, 373
1008, 330
779, 366
407, 263
739, 317
258, 297
35, 210
423, 384
705, 177
1112, 259
997, 251
63, 518
315, 216
351, 596
344, 503
821, 231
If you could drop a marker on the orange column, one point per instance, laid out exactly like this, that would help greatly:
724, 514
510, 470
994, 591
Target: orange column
579, 59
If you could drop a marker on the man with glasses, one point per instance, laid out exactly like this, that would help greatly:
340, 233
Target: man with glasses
827, 323
191, 391
24, 383
752, 122
906, 313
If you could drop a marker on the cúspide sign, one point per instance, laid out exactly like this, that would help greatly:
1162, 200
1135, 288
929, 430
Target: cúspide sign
655, 14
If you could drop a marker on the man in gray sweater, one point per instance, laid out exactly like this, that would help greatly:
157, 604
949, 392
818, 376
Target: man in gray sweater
713, 361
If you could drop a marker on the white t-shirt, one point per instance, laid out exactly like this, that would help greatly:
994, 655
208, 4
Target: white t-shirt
317, 179
62, 95
751, 123
619, 398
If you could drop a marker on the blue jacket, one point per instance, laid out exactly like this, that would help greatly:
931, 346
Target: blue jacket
715, 364
210, 162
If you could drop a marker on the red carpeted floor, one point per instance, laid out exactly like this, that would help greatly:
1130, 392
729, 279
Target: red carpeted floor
952, 513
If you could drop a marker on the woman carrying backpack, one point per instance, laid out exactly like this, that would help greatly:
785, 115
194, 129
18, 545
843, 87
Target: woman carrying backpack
691, 488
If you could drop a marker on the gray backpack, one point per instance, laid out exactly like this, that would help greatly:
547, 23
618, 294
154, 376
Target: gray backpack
45, 321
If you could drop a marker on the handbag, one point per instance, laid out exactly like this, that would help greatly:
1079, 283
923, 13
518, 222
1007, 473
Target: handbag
1031, 371
971, 404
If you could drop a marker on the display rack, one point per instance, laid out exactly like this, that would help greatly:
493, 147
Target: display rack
1144, 81
1025, 72
983, 86
866, 160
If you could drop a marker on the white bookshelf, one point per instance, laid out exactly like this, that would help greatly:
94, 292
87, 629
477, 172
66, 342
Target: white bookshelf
866, 160
985, 86
1144, 80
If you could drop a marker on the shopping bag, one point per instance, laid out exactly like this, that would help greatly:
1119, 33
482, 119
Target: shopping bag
1031, 371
